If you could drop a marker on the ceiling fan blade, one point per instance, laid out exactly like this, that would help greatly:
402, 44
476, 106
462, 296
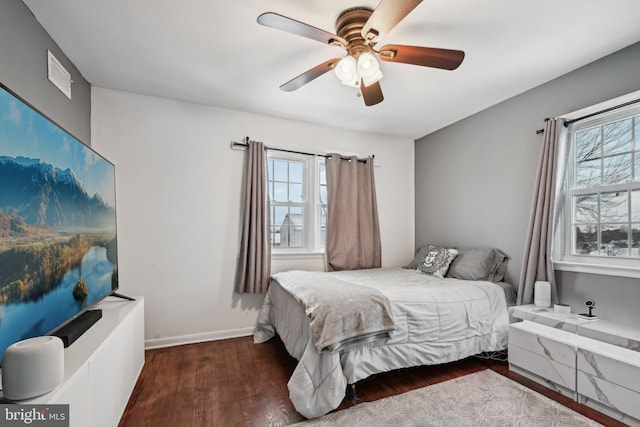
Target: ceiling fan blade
426, 56
307, 76
385, 17
279, 22
372, 94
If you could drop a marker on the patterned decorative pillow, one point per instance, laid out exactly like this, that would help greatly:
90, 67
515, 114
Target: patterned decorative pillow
437, 261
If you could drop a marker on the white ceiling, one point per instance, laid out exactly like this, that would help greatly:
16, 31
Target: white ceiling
213, 52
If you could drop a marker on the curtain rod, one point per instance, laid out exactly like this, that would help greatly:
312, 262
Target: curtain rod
606, 110
539, 131
283, 150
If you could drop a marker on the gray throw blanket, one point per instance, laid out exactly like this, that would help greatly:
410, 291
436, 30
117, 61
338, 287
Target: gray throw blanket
342, 314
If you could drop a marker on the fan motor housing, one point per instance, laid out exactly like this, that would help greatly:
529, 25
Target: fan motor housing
349, 26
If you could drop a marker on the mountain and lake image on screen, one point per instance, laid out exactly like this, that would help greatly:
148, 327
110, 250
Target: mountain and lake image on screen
58, 250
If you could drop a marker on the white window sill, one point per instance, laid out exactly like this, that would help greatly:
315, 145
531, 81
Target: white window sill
296, 255
603, 269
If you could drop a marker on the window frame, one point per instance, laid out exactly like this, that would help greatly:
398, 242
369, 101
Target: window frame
564, 256
311, 207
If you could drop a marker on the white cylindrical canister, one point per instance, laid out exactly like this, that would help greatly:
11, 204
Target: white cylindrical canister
542, 294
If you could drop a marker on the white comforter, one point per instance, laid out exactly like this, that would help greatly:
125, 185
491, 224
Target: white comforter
436, 321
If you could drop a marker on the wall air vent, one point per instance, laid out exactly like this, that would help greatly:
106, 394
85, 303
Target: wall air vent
58, 75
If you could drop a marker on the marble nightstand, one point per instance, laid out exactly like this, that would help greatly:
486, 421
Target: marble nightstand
596, 362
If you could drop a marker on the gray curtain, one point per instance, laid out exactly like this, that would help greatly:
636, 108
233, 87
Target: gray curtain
536, 262
254, 262
353, 230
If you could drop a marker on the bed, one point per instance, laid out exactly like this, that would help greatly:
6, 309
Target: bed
401, 318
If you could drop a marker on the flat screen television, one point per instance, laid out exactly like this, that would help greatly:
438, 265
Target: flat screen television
58, 250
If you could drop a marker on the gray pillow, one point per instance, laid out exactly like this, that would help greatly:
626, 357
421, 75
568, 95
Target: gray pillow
417, 260
501, 260
479, 264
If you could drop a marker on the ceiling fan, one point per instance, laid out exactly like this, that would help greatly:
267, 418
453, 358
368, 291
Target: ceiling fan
358, 30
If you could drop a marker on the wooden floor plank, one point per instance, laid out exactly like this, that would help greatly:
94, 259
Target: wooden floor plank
237, 383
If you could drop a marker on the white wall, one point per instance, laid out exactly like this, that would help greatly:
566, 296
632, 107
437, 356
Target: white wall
179, 197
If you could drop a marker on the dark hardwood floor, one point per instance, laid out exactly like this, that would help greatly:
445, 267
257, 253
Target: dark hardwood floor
237, 383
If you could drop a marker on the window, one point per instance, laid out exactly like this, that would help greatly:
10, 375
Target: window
298, 197
601, 211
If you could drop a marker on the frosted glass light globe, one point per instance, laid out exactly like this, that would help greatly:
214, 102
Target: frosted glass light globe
368, 69
346, 71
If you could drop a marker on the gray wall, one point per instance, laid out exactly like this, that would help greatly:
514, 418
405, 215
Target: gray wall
474, 179
23, 69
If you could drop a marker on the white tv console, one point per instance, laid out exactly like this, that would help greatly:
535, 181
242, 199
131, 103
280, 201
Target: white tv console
102, 366
595, 362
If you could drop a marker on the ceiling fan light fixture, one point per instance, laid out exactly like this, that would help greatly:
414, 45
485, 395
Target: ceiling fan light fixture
368, 81
351, 71
358, 30
367, 65
346, 70
352, 83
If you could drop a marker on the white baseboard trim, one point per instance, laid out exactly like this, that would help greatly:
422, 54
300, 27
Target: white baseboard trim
196, 338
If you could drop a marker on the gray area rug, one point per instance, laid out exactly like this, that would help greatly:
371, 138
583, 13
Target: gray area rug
484, 398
